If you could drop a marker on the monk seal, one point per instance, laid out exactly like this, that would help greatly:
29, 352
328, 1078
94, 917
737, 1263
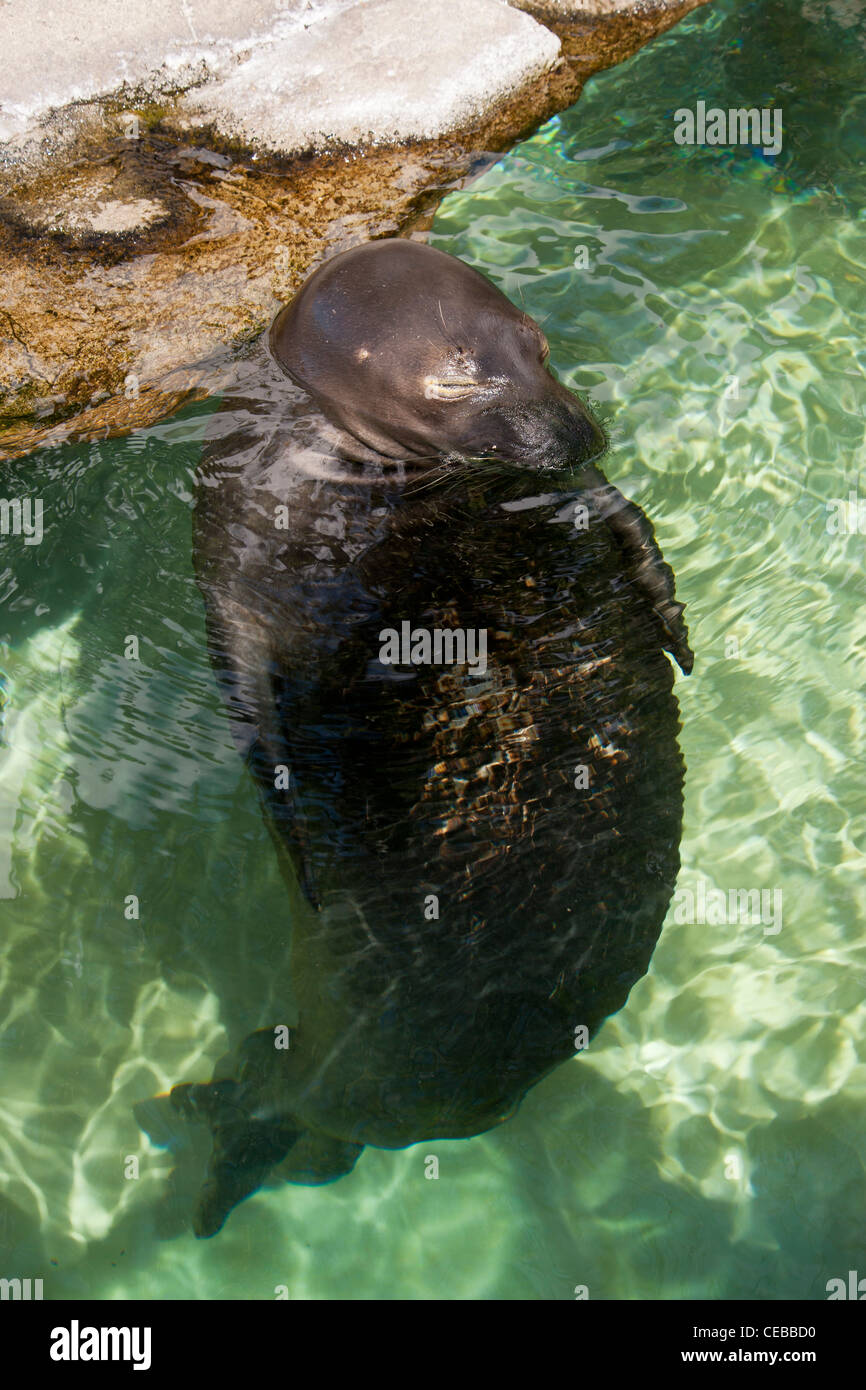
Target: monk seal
479, 854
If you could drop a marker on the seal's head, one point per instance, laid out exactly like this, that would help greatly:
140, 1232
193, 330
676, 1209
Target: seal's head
417, 355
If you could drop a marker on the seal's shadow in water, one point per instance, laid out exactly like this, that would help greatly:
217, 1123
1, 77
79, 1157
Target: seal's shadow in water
478, 862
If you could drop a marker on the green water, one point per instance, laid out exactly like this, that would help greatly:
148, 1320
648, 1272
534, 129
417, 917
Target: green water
709, 1144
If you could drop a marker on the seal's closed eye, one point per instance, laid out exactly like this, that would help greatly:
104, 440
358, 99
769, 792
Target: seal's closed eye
449, 388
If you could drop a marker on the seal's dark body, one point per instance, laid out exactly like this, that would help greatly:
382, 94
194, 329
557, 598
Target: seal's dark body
464, 897
430, 781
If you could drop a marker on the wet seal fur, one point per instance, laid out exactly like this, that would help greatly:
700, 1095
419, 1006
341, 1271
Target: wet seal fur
462, 904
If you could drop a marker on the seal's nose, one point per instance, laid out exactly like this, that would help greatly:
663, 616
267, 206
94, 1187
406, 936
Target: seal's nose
589, 439
575, 436
548, 430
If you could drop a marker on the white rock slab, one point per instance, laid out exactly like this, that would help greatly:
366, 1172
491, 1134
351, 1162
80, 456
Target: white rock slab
76, 50
381, 70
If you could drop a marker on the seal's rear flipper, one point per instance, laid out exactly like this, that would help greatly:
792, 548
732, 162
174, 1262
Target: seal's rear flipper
646, 564
318, 1159
244, 1149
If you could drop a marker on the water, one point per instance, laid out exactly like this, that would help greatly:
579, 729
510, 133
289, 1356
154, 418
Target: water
709, 1143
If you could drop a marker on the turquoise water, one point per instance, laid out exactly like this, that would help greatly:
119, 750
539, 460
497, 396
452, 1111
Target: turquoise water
709, 1143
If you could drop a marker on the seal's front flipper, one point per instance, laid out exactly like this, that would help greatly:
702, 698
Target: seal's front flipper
244, 1149
646, 564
